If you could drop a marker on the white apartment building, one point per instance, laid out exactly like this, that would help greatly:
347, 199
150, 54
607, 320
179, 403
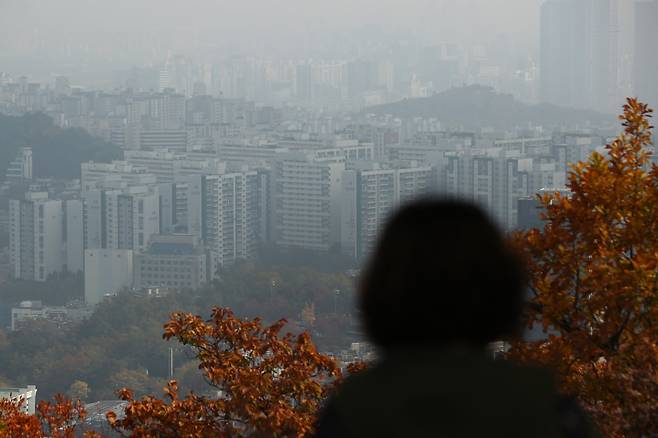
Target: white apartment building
20, 169
370, 192
526, 146
43, 236
203, 136
173, 140
95, 176
350, 152
199, 166
107, 271
306, 201
493, 181
159, 163
169, 167
244, 153
543, 174
158, 111
223, 211
572, 148
121, 219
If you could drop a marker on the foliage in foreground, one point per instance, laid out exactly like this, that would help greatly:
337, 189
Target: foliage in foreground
267, 384
594, 283
57, 419
120, 345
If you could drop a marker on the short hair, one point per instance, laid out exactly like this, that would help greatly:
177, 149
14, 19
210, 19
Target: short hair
440, 273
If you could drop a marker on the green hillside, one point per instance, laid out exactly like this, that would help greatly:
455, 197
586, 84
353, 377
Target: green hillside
57, 152
475, 107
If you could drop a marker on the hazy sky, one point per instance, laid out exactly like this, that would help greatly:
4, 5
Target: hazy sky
133, 28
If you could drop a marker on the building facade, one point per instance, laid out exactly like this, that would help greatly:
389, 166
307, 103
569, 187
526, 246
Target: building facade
579, 54
306, 201
223, 212
369, 195
107, 271
43, 236
120, 219
494, 182
173, 261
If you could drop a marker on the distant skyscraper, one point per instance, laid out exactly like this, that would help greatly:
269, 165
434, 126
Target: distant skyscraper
361, 76
303, 82
579, 53
62, 85
164, 80
646, 54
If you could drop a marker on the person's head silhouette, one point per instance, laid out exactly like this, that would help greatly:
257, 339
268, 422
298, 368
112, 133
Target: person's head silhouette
442, 283
441, 273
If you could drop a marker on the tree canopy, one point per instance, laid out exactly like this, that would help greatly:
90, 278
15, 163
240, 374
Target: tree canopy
268, 384
594, 282
121, 341
476, 106
56, 152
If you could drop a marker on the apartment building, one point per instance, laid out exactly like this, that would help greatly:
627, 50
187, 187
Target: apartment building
306, 201
43, 236
121, 219
490, 179
94, 176
223, 212
369, 194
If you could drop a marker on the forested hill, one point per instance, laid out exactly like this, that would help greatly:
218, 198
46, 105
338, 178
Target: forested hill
56, 152
475, 106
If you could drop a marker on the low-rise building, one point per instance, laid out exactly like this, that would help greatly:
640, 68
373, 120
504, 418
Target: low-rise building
177, 261
96, 176
28, 311
27, 394
20, 170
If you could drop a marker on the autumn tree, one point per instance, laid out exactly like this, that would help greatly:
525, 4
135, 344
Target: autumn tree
594, 282
267, 384
57, 419
79, 390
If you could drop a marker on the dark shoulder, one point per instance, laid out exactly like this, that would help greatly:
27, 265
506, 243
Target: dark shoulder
331, 424
467, 393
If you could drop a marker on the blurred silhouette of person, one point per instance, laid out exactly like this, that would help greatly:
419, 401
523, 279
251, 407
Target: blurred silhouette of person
440, 286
